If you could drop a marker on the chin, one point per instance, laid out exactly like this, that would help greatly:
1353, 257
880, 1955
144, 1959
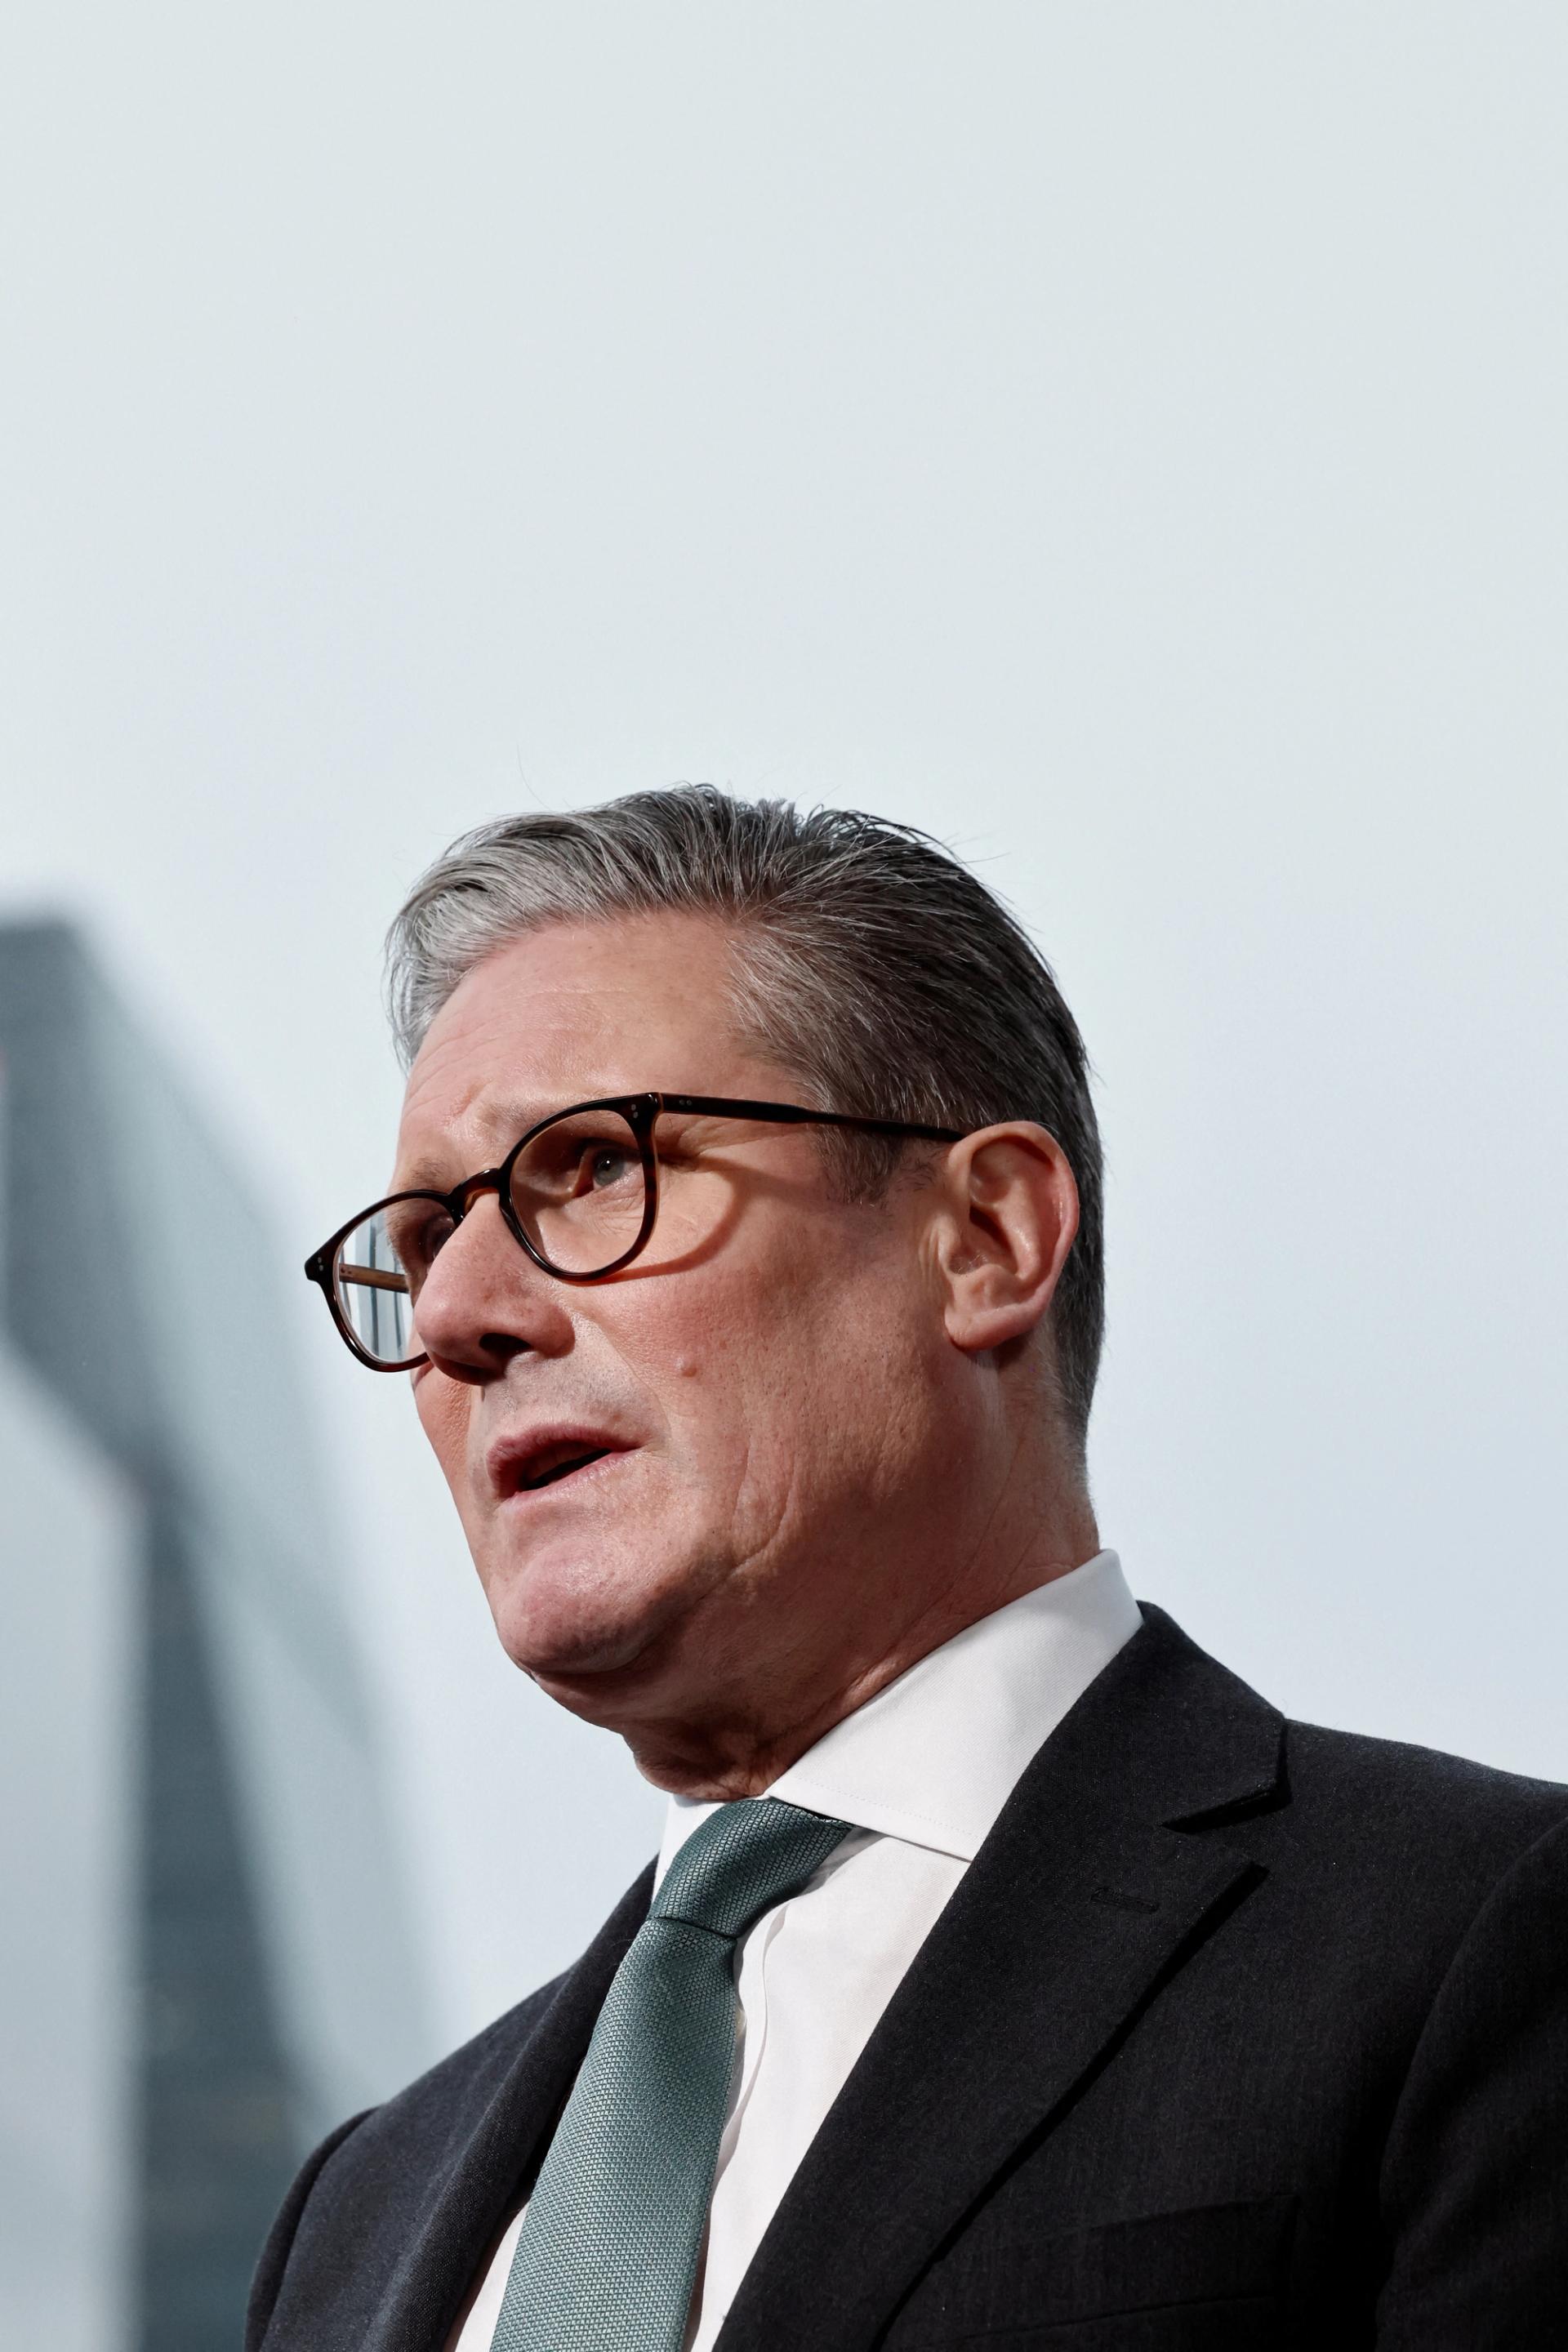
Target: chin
584, 1642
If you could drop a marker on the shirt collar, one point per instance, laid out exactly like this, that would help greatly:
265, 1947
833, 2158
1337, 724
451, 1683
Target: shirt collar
934, 1757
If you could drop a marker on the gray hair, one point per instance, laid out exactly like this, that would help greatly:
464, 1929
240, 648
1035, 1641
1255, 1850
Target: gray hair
870, 965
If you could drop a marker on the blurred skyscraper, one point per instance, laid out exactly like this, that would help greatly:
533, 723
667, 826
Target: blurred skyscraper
205, 1959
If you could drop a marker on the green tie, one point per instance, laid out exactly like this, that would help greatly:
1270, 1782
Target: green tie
607, 2256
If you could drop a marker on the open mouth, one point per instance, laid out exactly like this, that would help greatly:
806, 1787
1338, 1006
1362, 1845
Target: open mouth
555, 1463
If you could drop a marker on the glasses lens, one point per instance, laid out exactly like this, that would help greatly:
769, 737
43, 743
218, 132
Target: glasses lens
579, 1192
374, 1287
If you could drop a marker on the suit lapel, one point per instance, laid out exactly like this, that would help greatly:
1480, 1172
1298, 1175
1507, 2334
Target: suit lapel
473, 2193
1085, 1897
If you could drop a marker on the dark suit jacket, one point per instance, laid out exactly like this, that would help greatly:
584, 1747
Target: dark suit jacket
1237, 2034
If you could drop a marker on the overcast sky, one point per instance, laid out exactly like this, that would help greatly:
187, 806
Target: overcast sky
1126, 440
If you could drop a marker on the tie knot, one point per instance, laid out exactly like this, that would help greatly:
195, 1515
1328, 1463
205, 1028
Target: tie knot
745, 1858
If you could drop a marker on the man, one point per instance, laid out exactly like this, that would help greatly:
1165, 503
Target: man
1011, 1974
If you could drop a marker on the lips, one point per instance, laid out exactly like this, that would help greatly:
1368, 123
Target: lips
534, 1460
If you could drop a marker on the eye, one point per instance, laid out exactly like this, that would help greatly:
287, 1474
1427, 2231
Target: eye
603, 1164
419, 1235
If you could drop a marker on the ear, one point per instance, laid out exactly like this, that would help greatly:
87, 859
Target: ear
1010, 1213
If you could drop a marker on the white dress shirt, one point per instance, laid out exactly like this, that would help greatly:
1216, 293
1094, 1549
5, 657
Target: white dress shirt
921, 1770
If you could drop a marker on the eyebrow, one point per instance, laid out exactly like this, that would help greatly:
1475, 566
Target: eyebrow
426, 1175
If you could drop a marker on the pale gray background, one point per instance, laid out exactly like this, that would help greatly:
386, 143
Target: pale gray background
1127, 440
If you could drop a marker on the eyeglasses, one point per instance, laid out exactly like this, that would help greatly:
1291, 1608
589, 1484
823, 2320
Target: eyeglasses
579, 1192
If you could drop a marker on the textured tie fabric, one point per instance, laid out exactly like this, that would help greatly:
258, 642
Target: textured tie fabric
607, 2255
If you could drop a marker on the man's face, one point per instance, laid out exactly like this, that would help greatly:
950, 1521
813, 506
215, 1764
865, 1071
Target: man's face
758, 1404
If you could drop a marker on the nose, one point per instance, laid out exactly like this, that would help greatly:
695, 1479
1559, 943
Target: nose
484, 1301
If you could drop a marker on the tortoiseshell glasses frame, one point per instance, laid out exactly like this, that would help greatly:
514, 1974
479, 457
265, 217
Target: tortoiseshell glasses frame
375, 1290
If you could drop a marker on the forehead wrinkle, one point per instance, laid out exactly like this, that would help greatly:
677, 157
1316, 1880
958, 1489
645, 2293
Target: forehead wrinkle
563, 1022
497, 1060
503, 1122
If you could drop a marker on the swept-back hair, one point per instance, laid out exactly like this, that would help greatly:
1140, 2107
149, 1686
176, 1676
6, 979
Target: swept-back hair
869, 964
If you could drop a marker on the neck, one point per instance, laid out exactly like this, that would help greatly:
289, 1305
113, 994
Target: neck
736, 1742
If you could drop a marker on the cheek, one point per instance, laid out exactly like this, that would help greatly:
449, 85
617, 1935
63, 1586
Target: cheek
444, 1408
709, 1347
782, 1386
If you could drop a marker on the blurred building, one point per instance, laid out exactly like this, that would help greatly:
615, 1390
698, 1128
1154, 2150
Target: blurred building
205, 1959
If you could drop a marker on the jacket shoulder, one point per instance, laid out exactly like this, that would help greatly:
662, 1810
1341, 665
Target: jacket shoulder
365, 2161
367, 2196
1221, 1749
1416, 1812
1420, 1781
